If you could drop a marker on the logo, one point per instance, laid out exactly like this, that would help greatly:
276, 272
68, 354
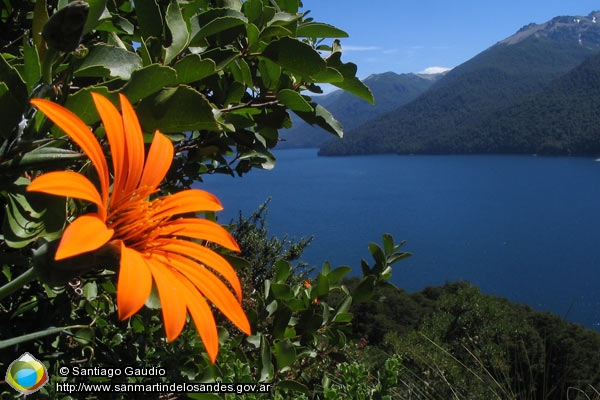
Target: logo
26, 374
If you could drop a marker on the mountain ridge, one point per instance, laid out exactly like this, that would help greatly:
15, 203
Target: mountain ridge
390, 90
492, 80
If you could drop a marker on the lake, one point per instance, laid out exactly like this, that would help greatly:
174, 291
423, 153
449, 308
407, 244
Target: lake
522, 227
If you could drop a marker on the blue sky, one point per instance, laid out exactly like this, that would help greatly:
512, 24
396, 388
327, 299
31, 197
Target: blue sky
410, 36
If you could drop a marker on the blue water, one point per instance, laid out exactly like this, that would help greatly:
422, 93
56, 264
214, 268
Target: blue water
522, 227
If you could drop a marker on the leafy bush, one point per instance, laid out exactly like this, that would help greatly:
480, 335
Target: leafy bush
460, 343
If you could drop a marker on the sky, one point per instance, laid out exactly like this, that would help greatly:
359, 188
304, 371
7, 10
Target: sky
413, 36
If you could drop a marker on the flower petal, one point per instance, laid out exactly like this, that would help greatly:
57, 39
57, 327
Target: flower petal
134, 284
211, 287
203, 229
113, 125
86, 233
81, 134
158, 162
135, 144
186, 201
169, 290
68, 184
207, 257
203, 319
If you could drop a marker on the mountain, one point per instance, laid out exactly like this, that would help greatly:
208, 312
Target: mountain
506, 73
390, 90
562, 118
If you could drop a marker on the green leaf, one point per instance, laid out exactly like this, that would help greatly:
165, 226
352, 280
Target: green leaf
351, 83
82, 105
237, 262
13, 98
328, 75
40, 158
344, 307
177, 109
123, 26
260, 159
322, 118
378, 256
322, 286
233, 4
215, 21
108, 61
282, 271
397, 257
342, 317
267, 370
271, 308
281, 291
153, 301
293, 100
386, 274
84, 335
293, 386
32, 70
326, 313
290, 6
253, 10
284, 19
36, 335
221, 57
326, 268
90, 290
149, 80
252, 34
203, 396
281, 320
219, 25
179, 32
270, 73
320, 30
388, 243
241, 72
366, 270
295, 56
30, 216
355, 86
254, 340
337, 274
149, 18
192, 68
285, 353
40, 16
96, 10
364, 290
144, 53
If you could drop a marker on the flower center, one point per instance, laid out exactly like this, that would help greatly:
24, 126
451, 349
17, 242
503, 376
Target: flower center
134, 219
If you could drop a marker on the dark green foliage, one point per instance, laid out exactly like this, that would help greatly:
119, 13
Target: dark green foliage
454, 340
220, 78
559, 119
263, 252
497, 102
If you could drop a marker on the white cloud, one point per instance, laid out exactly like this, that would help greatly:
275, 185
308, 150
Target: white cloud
434, 70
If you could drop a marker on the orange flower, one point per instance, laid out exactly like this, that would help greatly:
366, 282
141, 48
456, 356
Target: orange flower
147, 231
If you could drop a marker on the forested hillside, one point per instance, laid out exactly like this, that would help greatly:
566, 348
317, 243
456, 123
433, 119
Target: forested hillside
562, 118
455, 116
